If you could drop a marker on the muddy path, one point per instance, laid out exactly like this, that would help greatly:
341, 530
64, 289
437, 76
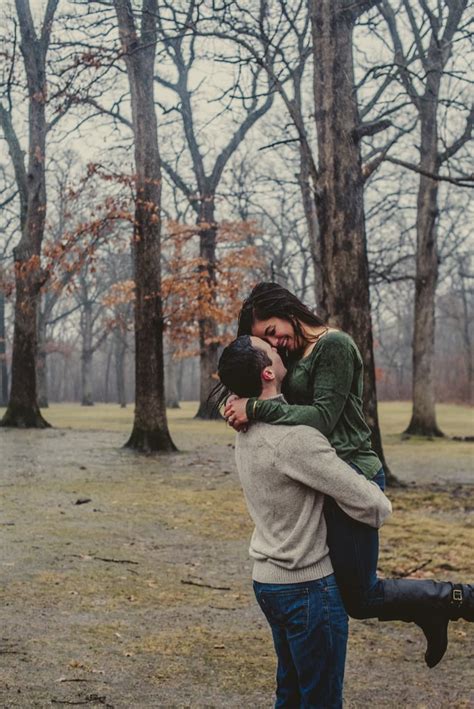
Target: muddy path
125, 582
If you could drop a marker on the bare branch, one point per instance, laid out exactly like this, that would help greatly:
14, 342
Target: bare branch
18, 159
372, 128
462, 140
459, 182
400, 58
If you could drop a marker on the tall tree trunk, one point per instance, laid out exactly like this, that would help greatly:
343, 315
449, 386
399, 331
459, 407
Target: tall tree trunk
150, 427
171, 384
466, 337
23, 410
42, 363
311, 217
423, 419
208, 334
120, 348
340, 189
180, 369
87, 354
108, 362
87, 398
63, 396
3, 355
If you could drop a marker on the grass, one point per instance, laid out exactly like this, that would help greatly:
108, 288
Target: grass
394, 416
422, 459
142, 623
189, 433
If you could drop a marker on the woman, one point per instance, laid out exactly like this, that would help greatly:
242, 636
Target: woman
324, 390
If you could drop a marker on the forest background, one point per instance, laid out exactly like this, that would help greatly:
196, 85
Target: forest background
160, 158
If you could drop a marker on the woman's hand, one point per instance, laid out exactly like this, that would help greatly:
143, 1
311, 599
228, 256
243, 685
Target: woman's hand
235, 413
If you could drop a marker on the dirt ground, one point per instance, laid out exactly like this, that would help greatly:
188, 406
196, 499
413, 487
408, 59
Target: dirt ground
126, 581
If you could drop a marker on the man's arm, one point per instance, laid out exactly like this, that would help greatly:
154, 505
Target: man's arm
306, 455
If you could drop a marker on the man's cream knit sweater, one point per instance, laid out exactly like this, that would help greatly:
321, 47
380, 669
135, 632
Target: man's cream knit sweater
285, 472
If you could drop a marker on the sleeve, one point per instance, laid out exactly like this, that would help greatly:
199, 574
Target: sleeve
308, 457
331, 380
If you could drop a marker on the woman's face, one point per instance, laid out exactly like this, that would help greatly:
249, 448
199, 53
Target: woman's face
279, 333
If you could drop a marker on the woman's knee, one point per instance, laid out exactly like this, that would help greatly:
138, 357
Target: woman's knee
356, 604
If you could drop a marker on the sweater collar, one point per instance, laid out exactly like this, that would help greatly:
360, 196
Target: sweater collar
278, 397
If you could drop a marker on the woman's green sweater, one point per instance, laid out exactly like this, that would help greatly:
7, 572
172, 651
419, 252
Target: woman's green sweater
325, 391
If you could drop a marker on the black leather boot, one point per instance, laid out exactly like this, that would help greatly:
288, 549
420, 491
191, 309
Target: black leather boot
430, 605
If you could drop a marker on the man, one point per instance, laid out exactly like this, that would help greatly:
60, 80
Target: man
285, 472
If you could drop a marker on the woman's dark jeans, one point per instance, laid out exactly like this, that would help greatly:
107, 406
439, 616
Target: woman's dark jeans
309, 627
354, 552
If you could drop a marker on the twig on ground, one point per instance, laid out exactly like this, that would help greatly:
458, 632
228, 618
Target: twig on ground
190, 582
75, 679
404, 574
104, 558
114, 561
12, 652
91, 699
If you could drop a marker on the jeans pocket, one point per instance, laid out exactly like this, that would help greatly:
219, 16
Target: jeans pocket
335, 606
287, 609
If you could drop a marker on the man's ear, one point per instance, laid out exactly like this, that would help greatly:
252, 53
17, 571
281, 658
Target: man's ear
268, 374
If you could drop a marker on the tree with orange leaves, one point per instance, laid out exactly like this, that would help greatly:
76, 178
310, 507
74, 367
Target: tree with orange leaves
189, 298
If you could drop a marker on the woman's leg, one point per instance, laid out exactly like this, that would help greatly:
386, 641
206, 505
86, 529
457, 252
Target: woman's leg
354, 551
354, 554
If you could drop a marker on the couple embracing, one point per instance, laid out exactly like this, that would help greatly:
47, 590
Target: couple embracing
314, 489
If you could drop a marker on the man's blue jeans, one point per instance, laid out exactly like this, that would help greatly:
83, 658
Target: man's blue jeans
309, 626
354, 552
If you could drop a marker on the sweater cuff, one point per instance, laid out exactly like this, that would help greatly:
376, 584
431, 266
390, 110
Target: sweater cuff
250, 408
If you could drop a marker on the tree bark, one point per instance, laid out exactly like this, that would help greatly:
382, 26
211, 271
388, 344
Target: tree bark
340, 190
42, 363
120, 349
312, 225
108, 362
23, 410
86, 355
208, 334
171, 380
466, 336
150, 427
3, 356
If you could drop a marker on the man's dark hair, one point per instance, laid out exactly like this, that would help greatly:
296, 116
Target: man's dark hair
240, 368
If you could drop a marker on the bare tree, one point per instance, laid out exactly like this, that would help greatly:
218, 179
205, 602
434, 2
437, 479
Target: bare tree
180, 46
88, 294
22, 410
47, 319
433, 31
150, 428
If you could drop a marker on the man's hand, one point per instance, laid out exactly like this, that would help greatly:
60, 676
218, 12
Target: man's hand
235, 413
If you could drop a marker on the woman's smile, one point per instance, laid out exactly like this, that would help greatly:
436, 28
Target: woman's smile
278, 332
